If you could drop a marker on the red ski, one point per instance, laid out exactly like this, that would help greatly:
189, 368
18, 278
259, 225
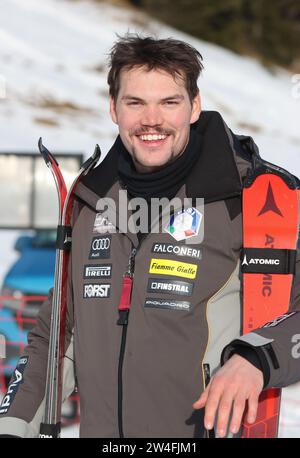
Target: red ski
270, 227
51, 420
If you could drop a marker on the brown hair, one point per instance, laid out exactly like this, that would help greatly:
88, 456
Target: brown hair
173, 56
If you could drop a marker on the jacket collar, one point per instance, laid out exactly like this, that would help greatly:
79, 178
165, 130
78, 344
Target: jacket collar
215, 175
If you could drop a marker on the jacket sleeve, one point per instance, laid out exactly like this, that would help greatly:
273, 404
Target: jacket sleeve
277, 344
22, 407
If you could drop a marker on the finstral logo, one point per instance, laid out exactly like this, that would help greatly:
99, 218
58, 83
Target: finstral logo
263, 261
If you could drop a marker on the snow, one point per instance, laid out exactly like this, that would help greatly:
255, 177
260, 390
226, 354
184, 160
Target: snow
53, 65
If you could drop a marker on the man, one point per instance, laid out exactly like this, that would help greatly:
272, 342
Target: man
143, 374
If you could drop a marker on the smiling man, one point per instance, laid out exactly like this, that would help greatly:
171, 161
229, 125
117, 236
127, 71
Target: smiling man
153, 111
148, 359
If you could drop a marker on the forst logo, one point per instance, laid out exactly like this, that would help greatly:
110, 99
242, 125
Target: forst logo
94, 290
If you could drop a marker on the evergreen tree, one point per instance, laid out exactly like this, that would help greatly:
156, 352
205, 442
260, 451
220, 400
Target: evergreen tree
266, 28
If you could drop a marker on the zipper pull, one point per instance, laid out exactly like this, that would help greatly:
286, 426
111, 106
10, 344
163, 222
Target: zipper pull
125, 304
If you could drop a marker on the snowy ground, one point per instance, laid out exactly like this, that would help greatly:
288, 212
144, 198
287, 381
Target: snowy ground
53, 84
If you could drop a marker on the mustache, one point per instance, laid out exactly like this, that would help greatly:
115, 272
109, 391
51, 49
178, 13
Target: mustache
156, 130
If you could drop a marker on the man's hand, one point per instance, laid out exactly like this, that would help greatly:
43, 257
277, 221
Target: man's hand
235, 383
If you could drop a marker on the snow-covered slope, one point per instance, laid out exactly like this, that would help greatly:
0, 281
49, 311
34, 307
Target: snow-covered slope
53, 57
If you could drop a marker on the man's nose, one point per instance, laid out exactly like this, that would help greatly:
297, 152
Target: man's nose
151, 116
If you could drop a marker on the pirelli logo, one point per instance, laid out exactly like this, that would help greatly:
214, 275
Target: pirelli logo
176, 268
97, 271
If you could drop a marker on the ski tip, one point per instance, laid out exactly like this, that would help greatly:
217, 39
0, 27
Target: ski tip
44, 152
48, 158
91, 161
97, 152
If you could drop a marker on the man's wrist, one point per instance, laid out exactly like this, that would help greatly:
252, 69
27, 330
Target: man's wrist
255, 356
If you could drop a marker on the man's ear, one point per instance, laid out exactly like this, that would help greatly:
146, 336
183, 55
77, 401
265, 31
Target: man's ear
112, 110
196, 108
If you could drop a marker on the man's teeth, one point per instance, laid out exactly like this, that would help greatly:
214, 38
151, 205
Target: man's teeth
153, 137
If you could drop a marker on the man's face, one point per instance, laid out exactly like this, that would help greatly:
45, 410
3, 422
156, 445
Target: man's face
154, 112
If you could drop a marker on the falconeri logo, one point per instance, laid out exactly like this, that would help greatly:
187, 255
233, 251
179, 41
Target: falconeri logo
96, 290
176, 268
100, 247
178, 250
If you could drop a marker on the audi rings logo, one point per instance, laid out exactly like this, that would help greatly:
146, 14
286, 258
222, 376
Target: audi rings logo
101, 244
100, 247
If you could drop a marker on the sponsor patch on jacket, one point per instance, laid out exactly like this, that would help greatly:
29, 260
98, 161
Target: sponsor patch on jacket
97, 271
100, 247
176, 268
184, 224
181, 288
278, 320
102, 225
96, 290
168, 304
14, 385
177, 250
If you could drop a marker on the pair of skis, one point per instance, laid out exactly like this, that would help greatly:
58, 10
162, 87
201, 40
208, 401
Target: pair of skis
50, 427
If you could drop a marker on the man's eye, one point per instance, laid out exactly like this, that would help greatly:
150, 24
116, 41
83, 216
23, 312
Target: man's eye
133, 103
171, 102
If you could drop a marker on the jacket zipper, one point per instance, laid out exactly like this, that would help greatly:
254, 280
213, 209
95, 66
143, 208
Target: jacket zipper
124, 308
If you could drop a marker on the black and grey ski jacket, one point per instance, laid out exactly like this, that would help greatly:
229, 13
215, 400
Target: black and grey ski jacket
185, 307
